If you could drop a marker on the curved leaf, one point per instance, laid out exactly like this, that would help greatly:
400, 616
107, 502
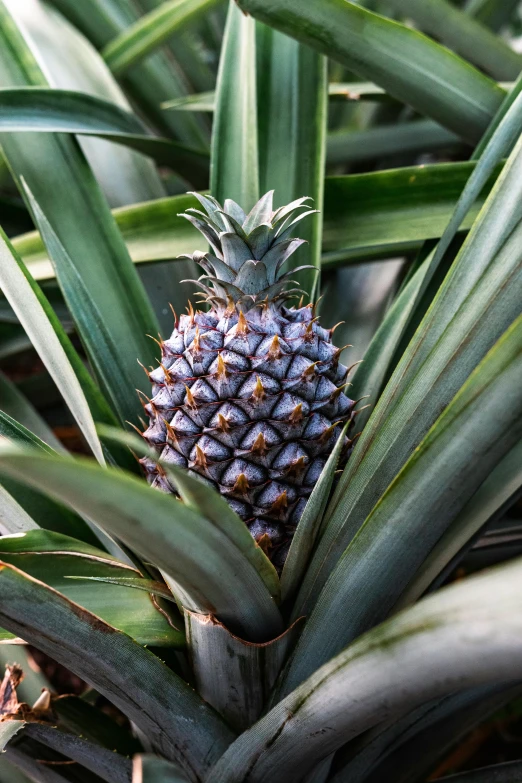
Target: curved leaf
139, 40
170, 714
408, 65
478, 428
46, 110
213, 573
151, 769
465, 635
235, 163
18, 407
53, 558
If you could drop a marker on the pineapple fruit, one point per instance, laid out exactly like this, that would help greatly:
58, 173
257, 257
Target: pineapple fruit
249, 395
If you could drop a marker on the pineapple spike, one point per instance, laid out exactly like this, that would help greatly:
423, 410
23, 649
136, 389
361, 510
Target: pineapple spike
259, 447
310, 371
296, 467
259, 391
242, 324
280, 505
353, 365
241, 486
171, 433
174, 315
191, 402
136, 428
147, 372
332, 330
222, 371
337, 393
168, 376
329, 431
201, 459
223, 424
190, 309
297, 414
275, 352
158, 342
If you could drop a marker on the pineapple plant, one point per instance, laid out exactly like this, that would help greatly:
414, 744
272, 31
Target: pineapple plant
249, 395
260, 584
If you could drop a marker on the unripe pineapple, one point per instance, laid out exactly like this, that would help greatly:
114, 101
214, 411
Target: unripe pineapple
249, 395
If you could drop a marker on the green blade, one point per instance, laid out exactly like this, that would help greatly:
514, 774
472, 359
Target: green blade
150, 82
46, 110
478, 299
172, 717
478, 428
493, 13
292, 120
214, 575
55, 171
50, 341
139, 40
235, 163
209, 504
463, 636
43, 511
18, 407
409, 66
464, 35
53, 559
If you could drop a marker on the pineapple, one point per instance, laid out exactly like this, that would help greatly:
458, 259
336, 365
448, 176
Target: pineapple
249, 395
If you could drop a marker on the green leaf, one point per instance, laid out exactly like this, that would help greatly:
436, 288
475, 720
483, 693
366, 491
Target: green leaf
201, 101
48, 338
501, 485
478, 428
209, 504
214, 574
235, 164
464, 35
374, 215
46, 110
471, 309
309, 525
13, 517
463, 636
493, 13
408, 65
42, 511
53, 558
247, 672
292, 98
139, 40
151, 81
408, 309
56, 172
18, 407
106, 764
8, 729
87, 721
382, 141
172, 717
110, 362
151, 769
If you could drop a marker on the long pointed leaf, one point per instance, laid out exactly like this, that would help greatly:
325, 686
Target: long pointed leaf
463, 636
212, 572
409, 66
177, 723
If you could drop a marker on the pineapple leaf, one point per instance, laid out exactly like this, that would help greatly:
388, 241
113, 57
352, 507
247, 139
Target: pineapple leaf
139, 40
260, 213
479, 297
76, 571
8, 730
409, 66
208, 503
189, 548
17, 407
51, 342
13, 517
478, 428
463, 34
423, 653
47, 110
170, 714
235, 167
106, 764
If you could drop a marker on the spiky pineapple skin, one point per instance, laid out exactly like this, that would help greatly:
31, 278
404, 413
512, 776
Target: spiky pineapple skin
252, 403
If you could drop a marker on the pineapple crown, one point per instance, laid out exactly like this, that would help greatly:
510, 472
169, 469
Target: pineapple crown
248, 251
